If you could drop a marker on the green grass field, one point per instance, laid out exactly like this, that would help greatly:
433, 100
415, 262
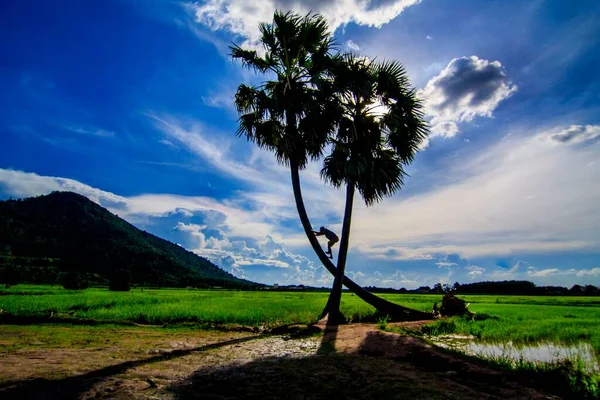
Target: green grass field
521, 319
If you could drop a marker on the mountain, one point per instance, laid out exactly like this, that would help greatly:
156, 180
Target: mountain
64, 231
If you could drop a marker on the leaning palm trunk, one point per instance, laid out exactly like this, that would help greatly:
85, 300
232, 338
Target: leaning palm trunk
393, 310
335, 297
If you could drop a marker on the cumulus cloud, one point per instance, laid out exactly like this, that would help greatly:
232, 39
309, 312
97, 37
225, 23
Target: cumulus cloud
241, 18
240, 257
195, 232
466, 88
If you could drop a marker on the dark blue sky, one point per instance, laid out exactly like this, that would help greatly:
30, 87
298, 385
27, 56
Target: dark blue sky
131, 104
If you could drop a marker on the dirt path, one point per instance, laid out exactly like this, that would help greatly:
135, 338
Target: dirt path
350, 361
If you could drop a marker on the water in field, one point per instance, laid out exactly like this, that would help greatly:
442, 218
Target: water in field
539, 353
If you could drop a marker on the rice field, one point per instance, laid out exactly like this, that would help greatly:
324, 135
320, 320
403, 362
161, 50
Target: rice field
520, 319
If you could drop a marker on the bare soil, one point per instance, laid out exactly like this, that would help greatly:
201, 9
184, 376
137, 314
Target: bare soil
354, 361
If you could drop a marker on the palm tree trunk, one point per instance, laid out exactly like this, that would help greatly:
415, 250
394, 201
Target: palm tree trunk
335, 297
393, 310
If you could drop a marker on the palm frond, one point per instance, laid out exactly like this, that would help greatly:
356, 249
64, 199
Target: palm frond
370, 150
249, 58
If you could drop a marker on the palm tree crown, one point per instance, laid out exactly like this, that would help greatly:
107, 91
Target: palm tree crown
288, 114
380, 128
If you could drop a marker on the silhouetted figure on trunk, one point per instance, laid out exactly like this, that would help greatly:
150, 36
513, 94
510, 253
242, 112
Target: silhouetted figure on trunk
332, 237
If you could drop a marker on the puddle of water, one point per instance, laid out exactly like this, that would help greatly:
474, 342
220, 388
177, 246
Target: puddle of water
540, 353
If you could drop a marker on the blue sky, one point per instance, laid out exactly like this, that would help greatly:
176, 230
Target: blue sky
130, 103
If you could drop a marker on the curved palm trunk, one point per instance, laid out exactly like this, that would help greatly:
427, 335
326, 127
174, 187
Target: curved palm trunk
393, 310
335, 297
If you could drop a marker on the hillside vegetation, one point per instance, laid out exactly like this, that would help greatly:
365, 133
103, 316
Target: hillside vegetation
43, 236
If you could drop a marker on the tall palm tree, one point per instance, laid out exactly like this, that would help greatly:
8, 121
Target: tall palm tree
379, 132
294, 113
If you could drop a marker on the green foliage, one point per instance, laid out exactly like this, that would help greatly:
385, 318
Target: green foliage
380, 126
288, 115
43, 236
382, 323
520, 319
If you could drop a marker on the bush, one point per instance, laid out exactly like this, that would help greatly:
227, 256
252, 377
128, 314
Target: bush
120, 281
73, 280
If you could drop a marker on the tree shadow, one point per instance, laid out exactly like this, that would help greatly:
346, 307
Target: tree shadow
72, 387
328, 341
382, 366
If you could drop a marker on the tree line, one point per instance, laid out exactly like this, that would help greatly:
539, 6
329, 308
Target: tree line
512, 287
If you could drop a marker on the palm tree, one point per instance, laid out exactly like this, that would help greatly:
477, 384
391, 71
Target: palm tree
378, 134
295, 113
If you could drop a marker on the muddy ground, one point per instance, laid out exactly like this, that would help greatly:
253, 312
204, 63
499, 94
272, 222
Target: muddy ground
354, 361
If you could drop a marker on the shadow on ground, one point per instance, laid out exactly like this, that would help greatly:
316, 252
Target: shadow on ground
371, 365
75, 387
354, 361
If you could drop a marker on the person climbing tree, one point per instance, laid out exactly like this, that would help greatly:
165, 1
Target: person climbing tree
332, 237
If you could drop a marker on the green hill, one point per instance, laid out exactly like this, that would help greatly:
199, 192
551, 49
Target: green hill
63, 231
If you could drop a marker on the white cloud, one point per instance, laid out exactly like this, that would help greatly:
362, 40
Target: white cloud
238, 220
396, 280
23, 184
543, 272
595, 272
520, 195
92, 131
445, 264
238, 254
468, 87
242, 18
523, 270
195, 231
271, 192
475, 272
434, 68
506, 273
211, 239
428, 37
444, 128
572, 272
167, 142
352, 46
577, 134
